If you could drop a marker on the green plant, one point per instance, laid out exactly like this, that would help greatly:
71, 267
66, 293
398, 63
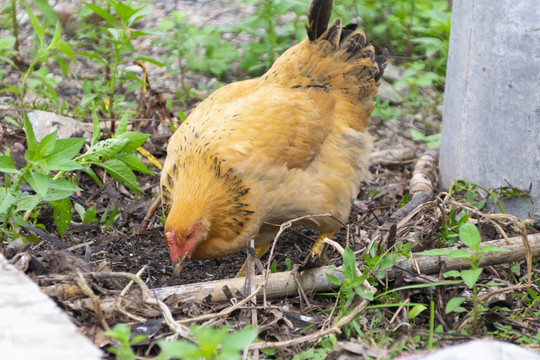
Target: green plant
271, 39
210, 344
430, 140
450, 230
470, 236
287, 262
351, 284
194, 48
320, 351
122, 334
51, 171
112, 47
417, 30
57, 49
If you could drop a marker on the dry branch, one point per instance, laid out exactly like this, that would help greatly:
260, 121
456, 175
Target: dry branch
278, 285
283, 284
425, 174
392, 156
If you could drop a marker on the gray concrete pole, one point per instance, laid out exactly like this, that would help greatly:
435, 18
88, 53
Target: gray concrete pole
491, 120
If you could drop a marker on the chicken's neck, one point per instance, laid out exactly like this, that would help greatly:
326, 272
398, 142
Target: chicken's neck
204, 188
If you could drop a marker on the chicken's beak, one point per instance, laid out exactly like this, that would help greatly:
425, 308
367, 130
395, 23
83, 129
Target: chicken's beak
180, 264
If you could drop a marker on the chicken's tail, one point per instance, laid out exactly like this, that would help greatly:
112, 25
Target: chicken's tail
337, 59
347, 41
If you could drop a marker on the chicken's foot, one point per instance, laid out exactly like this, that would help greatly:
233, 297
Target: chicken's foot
260, 251
315, 256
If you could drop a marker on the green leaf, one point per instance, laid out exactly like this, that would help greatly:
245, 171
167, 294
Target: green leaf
458, 254
333, 279
101, 12
490, 248
149, 60
106, 148
140, 12
416, 310
452, 273
239, 340
62, 214
42, 55
62, 64
111, 218
65, 49
38, 182
28, 202
60, 189
454, 305
122, 125
364, 293
96, 131
120, 332
6, 201
60, 164
116, 33
124, 11
387, 261
470, 277
273, 266
46, 146
80, 210
67, 148
47, 11
470, 236
90, 215
7, 166
133, 140
434, 252
56, 36
7, 42
121, 173
40, 30
31, 141
349, 262
178, 350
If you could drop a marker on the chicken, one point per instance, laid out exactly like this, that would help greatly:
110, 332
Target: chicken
292, 142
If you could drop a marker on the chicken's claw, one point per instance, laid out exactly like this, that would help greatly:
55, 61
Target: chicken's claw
315, 256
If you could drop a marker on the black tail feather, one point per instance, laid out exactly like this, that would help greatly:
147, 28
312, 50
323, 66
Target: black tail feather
318, 17
347, 37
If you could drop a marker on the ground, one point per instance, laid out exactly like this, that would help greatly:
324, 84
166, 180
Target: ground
125, 248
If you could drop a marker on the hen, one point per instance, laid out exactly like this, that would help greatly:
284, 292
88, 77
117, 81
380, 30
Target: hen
292, 142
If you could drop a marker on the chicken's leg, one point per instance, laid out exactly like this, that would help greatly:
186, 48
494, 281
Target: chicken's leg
260, 251
314, 257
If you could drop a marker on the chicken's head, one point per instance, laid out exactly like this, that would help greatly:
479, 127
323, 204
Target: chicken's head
182, 243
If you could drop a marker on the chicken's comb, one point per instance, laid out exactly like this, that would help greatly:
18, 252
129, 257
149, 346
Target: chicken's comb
318, 17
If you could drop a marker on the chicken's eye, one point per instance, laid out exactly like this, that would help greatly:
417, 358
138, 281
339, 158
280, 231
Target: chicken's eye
188, 236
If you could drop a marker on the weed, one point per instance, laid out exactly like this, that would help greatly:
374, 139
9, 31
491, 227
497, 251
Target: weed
122, 334
320, 352
478, 196
57, 49
210, 344
270, 38
111, 48
195, 49
51, 171
470, 237
430, 140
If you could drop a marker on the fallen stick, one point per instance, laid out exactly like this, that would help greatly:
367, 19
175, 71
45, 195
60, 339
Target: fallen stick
278, 285
283, 284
